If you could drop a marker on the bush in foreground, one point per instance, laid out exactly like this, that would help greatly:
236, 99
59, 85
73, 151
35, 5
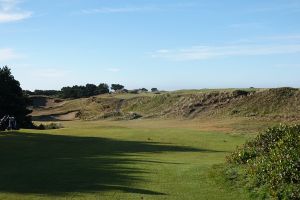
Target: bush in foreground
271, 162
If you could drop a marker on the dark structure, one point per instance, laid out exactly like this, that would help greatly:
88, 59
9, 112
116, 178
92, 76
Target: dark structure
8, 123
4, 123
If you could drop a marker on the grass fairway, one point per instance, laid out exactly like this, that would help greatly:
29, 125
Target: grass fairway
106, 160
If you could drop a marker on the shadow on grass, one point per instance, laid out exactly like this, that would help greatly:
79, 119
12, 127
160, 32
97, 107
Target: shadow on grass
54, 165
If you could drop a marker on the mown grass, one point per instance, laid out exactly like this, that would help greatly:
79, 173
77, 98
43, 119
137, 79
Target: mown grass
90, 160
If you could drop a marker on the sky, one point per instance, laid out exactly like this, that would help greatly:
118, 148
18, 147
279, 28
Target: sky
168, 44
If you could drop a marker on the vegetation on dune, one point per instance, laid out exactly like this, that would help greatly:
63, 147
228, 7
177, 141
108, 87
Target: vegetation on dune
274, 104
270, 163
268, 103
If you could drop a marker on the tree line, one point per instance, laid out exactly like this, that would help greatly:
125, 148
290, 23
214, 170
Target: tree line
79, 91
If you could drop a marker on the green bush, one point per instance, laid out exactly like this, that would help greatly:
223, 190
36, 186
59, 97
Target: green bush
272, 161
238, 93
49, 126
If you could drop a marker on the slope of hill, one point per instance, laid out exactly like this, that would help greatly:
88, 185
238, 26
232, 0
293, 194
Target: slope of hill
280, 103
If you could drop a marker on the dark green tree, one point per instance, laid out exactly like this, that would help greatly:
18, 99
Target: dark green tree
13, 101
116, 87
154, 90
67, 92
103, 88
90, 90
44, 92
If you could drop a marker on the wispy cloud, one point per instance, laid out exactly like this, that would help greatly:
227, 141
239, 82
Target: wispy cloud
294, 37
284, 66
8, 54
119, 10
250, 25
115, 70
131, 9
273, 7
215, 52
10, 11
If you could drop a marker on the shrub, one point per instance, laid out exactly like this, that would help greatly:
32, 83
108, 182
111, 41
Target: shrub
272, 161
237, 93
49, 126
154, 90
134, 91
116, 87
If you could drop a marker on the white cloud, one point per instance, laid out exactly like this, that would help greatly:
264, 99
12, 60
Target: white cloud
10, 12
259, 46
10, 17
214, 52
163, 51
8, 54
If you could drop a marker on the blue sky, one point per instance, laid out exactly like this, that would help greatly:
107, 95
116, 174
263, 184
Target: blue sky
169, 44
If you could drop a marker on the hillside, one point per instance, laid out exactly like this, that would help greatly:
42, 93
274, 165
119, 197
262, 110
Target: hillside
280, 103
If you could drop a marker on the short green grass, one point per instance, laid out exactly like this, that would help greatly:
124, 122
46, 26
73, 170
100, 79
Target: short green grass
90, 160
